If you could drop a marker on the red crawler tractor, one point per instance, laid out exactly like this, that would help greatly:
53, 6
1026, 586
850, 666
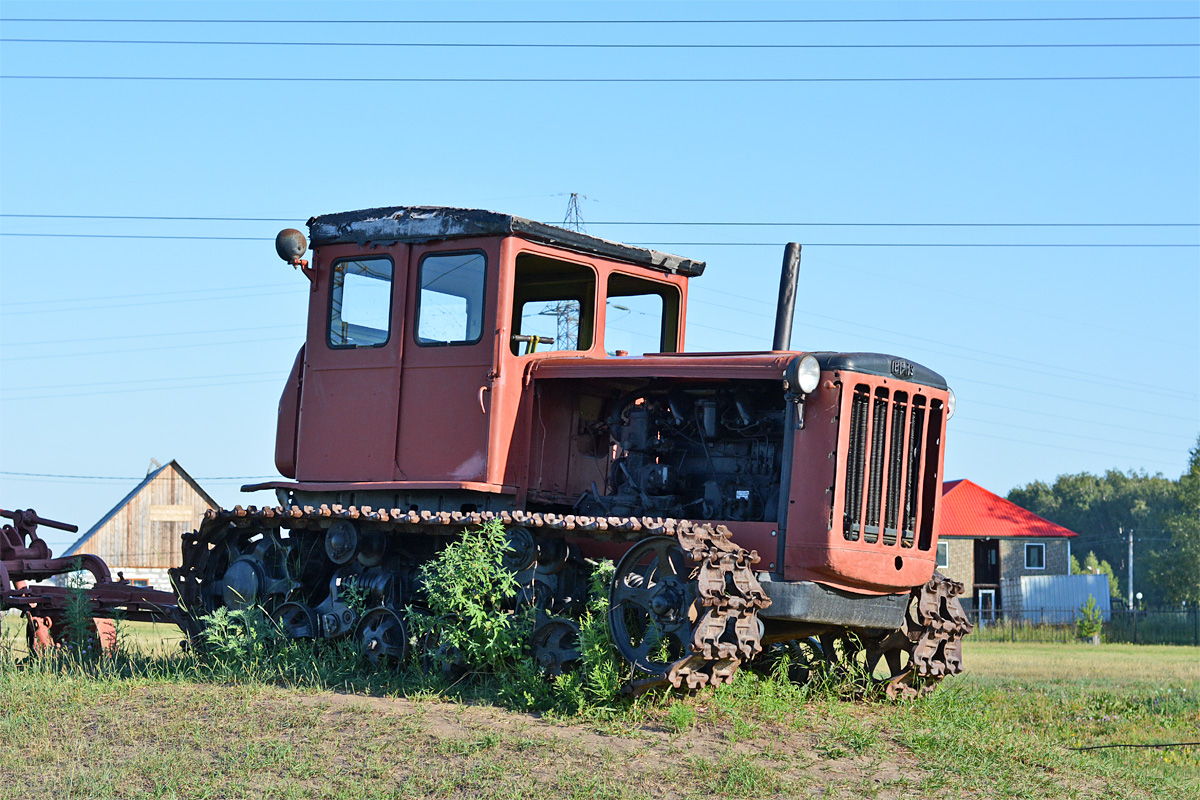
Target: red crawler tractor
462, 366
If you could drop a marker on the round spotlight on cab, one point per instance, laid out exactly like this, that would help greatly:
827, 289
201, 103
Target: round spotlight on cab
804, 374
291, 245
950, 404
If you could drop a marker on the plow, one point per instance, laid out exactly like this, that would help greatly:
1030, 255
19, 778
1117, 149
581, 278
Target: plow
26, 559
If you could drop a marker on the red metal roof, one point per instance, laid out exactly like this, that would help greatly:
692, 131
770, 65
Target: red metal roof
970, 510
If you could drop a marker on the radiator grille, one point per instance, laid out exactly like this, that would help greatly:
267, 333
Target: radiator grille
890, 467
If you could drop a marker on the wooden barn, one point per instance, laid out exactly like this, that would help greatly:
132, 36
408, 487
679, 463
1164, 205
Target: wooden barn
139, 537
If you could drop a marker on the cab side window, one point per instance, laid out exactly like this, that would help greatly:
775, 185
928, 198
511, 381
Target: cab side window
641, 316
553, 305
360, 303
450, 307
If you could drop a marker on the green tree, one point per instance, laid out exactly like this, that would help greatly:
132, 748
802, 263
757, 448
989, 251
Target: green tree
1090, 621
1094, 566
1099, 508
1175, 569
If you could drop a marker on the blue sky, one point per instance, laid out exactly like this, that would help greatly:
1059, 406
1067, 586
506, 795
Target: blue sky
114, 351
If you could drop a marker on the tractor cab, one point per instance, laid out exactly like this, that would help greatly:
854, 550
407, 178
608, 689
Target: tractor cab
424, 322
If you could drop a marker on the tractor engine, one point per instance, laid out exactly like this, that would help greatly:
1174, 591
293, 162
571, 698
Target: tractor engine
695, 452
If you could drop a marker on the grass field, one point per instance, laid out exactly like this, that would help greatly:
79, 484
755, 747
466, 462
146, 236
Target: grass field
1001, 730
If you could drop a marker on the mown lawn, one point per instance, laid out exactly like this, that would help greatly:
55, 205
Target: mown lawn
1002, 730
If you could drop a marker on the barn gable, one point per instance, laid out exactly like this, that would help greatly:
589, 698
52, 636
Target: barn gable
142, 531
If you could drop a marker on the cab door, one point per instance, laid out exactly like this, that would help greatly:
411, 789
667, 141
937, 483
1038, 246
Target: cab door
352, 365
446, 399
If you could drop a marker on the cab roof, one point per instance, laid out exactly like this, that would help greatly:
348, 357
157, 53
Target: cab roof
435, 223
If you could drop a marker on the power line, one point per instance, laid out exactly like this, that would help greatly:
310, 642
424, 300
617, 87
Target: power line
1106, 424
126, 383
612, 45
150, 336
143, 390
1021, 363
895, 278
968, 380
1174, 450
108, 306
94, 298
156, 217
916, 224
724, 223
1058, 447
45, 357
134, 477
313, 79
1077, 400
777, 21
140, 236
655, 244
910, 244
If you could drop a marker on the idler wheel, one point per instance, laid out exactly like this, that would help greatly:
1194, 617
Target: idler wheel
653, 605
242, 584
382, 636
246, 570
552, 556
296, 620
521, 549
341, 542
556, 644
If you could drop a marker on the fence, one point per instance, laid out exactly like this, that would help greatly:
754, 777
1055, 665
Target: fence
1171, 626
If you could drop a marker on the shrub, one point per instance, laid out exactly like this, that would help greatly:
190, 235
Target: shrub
467, 588
1090, 621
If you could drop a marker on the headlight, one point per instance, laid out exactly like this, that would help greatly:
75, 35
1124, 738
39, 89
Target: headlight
950, 404
804, 374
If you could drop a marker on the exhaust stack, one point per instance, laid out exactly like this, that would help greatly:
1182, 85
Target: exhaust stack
788, 279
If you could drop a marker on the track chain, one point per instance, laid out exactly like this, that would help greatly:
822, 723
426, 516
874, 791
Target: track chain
934, 635
727, 631
730, 596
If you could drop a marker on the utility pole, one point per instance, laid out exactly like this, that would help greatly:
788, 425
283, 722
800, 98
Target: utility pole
566, 312
1122, 530
574, 219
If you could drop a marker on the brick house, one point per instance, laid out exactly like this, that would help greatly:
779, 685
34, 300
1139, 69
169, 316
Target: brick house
989, 544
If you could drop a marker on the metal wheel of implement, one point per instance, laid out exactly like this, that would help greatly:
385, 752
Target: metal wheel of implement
246, 568
555, 644
382, 636
652, 605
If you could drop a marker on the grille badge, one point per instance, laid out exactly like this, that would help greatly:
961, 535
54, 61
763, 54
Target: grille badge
900, 368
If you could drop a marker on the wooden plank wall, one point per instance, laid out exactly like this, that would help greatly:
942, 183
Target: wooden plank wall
145, 531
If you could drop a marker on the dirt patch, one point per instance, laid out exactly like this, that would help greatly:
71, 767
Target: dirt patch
772, 759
